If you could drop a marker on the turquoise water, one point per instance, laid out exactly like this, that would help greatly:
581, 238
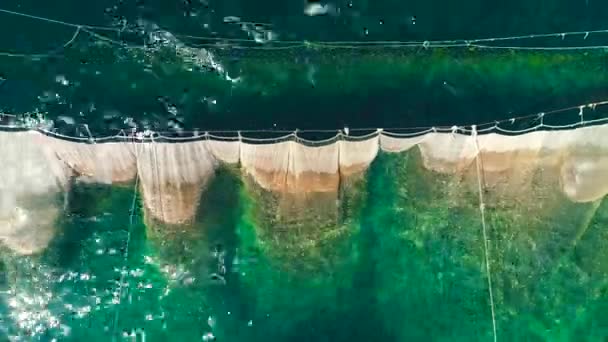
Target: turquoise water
401, 258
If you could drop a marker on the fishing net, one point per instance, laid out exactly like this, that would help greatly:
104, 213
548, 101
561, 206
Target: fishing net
62, 257
542, 206
426, 218
251, 238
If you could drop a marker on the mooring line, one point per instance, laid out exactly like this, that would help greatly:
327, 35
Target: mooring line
484, 230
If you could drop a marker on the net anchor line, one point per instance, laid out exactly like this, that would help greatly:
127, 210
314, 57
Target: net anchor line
47, 54
308, 142
91, 137
482, 209
411, 43
124, 272
296, 138
541, 117
395, 132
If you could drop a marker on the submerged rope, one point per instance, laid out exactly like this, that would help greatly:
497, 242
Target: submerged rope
484, 230
123, 272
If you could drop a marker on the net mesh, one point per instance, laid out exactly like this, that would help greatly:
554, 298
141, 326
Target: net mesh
31, 188
172, 178
500, 230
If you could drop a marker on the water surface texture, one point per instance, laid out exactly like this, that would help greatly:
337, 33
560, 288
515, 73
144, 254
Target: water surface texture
229, 64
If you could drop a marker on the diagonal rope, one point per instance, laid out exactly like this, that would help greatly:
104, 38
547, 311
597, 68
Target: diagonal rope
35, 17
482, 208
47, 54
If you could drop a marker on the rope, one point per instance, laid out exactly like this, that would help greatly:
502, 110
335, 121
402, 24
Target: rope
331, 45
44, 55
394, 132
542, 48
337, 44
363, 137
534, 128
221, 138
281, 138
327, 141
405, 135
124, 271
482, 208
57, 21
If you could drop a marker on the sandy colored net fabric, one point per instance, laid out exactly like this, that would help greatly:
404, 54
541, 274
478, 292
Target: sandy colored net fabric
226, 151
173, 174
299, 220
544, 198
297, 189
172, 177
107, 163
502, 231
390, 143
356, 154
33, 184
292, 167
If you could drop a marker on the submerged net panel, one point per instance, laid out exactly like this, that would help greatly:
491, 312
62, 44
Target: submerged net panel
436, 223
268, 164
295, 194
58, 237
577, 155
33, 184
428, 256
292, 167
304, 244
447, 153
225, 151
72, 284
390, 143
542, 193
172, 177
112, 162
356, 155
188, 268
314, 168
